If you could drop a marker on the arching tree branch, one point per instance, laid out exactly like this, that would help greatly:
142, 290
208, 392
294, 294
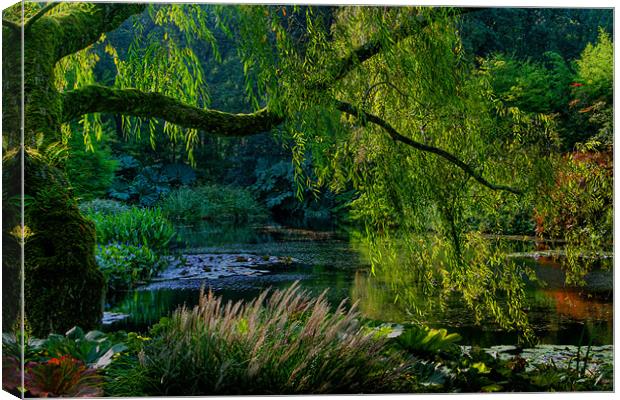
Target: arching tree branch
374, 46
84, 23
101, 99
396, 136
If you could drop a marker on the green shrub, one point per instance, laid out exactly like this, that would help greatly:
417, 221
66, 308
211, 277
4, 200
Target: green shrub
136, 226
595, 70
146, 186
541, 87
103, 206
182, 204
94, 348
593, 90
286, 344
424, 340
125, 265
214, 203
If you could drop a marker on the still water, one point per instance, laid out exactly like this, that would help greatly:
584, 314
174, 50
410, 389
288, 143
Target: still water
329, 261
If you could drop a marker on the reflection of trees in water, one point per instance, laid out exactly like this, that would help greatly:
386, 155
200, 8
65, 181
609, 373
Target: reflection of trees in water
416, 278
146, 307
415, 281
572, 304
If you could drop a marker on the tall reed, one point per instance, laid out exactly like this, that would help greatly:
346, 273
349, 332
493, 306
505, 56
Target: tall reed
283, 343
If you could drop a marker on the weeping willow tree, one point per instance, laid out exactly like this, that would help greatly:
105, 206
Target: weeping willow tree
381, 99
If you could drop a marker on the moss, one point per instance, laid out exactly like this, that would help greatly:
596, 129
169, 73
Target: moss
10, 279
11, 249
83, 23
11, 86
63, 285
96, 98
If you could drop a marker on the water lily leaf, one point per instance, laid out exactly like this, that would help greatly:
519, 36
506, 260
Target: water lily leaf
494, 387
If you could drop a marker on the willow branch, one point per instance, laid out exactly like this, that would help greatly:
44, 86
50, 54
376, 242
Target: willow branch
374, 46
39, 14
396, 136
101, 99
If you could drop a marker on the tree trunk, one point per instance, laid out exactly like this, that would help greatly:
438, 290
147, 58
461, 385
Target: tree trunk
11, 181
63, 285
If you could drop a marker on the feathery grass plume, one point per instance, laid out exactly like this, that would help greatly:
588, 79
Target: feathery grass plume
283, 342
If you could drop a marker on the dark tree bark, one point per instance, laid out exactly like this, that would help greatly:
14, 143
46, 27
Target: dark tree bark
366, 117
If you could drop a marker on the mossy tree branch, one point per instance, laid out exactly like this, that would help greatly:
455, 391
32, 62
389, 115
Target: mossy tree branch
101, 99
96, 99
84, 23
398, 137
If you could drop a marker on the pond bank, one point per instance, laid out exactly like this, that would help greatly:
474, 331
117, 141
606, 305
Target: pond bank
239, 268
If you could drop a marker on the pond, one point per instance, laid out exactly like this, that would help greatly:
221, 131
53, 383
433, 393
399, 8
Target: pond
327, 260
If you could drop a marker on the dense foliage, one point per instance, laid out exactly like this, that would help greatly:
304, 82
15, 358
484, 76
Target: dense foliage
136, 226
125, 266
530, 32
90, 172
212, 203
427, 129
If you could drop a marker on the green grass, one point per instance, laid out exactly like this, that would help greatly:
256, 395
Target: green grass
136, 226
213, 203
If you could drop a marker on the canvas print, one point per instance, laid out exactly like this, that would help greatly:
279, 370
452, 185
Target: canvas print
246, 199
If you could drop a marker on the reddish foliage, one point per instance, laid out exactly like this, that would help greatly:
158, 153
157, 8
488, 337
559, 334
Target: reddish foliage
571, 191
11, 374
63, 376
603, 159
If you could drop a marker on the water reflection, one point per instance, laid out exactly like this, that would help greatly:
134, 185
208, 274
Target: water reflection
515, 299
556, 316
402, 290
